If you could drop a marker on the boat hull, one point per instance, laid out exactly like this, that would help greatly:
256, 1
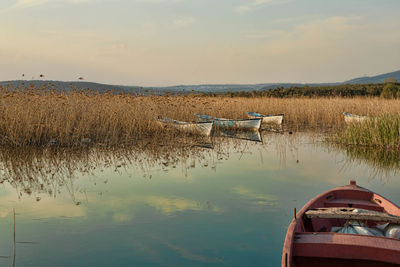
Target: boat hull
196, 128
267, 119
245, 124
249, 125
200, 128
351, 118
311, 242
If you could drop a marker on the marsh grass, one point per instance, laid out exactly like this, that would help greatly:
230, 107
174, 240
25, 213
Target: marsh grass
380, 132
42, 117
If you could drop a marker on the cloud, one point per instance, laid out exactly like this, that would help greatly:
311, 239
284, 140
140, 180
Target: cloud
252, 5
123, 209
265, 35
183, 21
171, 205
45, 209
159, 1
187, 254
259, 199
33, 3
318, 34
29, 3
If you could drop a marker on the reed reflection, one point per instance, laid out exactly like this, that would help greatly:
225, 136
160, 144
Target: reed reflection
47, 171
38, 171
384, 163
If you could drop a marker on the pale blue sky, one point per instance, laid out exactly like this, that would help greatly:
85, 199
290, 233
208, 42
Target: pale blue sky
166, 42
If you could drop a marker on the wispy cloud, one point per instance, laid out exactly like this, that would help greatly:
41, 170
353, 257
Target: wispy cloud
183, 21
241, 9
159, 1
257, 198
323, 34
187, 254
265, 35
170, 205
33, 3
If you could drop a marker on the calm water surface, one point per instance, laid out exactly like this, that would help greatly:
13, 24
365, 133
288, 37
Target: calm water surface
224, 207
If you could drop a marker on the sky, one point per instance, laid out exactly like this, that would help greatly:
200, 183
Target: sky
171, 42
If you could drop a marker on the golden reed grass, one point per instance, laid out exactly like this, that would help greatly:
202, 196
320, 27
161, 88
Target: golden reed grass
36, 117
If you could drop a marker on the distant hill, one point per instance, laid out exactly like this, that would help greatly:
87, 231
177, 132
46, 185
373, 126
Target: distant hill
223, 88
375, 79
214, 88
102, 88
68, 86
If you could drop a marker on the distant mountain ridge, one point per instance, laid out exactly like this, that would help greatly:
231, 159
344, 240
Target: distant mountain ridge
375, 79
215, 88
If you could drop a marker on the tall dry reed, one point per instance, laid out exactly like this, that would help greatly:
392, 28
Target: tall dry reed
36, 117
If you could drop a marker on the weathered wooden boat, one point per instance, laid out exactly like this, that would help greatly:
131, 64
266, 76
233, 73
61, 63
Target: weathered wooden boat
313, 239
267, 119
241, 124
198, 128
350, 118
243, 135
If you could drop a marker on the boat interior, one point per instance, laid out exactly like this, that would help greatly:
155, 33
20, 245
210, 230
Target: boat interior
317, 242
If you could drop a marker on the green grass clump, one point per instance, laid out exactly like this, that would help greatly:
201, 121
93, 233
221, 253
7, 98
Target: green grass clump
382, 132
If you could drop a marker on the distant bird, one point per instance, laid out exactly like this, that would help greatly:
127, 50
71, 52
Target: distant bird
23, 75
81, 78
41, 76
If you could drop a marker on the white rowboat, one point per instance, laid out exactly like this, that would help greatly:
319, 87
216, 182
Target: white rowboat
350, 118
267, 119
197, 128
244, 124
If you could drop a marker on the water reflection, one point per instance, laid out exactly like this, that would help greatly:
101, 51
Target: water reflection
383, 162
37, 171
218, 201
244, 135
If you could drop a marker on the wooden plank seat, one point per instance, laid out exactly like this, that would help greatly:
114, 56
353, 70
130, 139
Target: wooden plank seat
352, 214
355, 203
346, 246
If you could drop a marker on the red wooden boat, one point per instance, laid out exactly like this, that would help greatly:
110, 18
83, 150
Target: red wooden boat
311, 241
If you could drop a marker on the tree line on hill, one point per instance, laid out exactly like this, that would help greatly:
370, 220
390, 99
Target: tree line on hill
386, 90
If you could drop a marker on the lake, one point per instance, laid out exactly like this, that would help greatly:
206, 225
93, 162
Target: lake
225, 203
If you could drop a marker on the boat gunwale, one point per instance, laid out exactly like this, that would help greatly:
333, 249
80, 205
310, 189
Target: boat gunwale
181, 122
347, 114
353, 235
264, 116
287, 252
217, 119
224, 119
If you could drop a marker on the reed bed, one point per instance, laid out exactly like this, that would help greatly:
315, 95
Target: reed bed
37, 117
382, 132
